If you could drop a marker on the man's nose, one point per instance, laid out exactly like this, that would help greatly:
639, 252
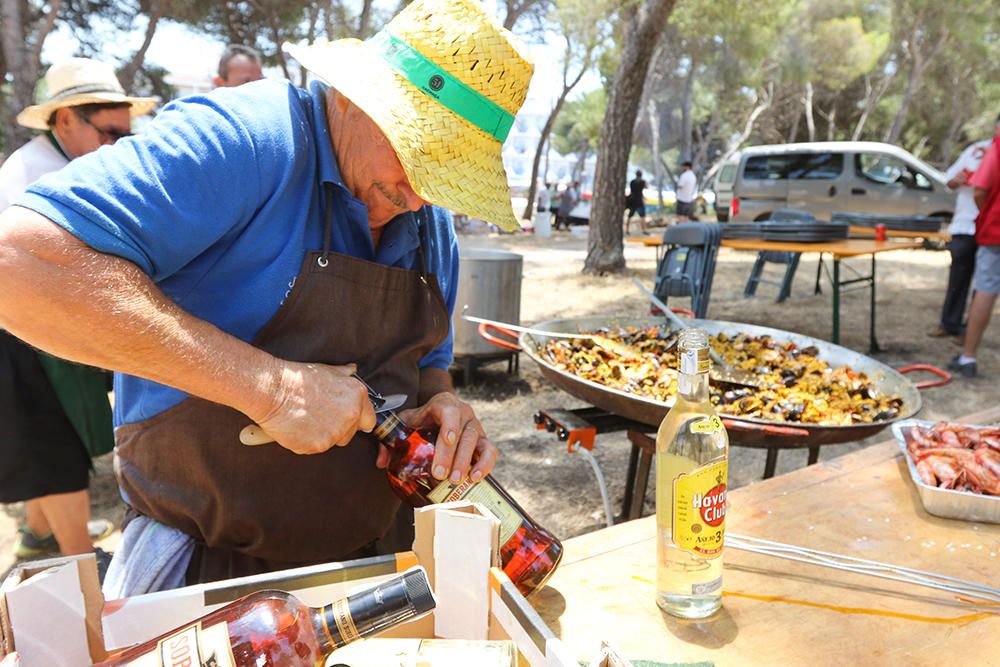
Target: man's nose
413, 200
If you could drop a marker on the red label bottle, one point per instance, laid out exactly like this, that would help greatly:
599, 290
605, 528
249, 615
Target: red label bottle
275, 628
528, 552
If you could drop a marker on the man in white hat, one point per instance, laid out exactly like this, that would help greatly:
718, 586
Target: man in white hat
53, 413
247, 254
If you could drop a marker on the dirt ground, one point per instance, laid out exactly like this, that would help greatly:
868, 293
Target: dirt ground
559, 489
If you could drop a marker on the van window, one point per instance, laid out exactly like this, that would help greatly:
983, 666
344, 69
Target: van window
889, 170
766, 167
727, 174
816, 166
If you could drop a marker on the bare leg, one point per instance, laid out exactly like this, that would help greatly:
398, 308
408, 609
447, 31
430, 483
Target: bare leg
67, 514
642, 223
37, 522
979, 319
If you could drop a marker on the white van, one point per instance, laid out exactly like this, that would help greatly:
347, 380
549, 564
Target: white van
826, 177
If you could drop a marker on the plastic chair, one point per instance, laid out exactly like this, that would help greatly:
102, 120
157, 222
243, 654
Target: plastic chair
789, 259
687, 266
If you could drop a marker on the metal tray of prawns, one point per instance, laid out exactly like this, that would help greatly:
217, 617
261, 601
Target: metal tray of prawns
946, 503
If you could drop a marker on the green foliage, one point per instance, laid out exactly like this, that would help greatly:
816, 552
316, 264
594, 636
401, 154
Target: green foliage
579, 123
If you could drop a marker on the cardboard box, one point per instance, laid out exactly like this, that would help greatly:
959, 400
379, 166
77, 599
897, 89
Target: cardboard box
456, 543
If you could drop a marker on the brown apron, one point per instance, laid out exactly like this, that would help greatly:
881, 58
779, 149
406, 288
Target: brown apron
258, 509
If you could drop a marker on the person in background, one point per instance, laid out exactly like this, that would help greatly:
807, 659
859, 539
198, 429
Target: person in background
567, 202
238, 65
55, 415
687, 189
553, 199
963, 238
986, 280
543, 218
635, 202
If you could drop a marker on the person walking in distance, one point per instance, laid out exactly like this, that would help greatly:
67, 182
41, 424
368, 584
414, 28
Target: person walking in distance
687, 189
55, 415
543, 218
567, 202
963, 238
986, 280
635, 202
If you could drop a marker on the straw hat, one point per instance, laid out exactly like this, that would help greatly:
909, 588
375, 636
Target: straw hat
443, 82
79, 81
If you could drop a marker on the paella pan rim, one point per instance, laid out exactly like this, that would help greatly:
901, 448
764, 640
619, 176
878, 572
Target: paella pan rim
886, 378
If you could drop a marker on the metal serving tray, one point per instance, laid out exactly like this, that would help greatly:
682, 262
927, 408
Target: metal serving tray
946, 503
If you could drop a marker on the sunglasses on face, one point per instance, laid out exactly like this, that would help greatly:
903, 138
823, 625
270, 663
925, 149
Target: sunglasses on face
108, 134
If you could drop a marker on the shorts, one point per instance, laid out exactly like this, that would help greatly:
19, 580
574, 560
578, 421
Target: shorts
637, 209
685, 208
987, 276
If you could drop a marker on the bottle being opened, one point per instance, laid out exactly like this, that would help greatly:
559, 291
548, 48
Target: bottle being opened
528, 552
692, 451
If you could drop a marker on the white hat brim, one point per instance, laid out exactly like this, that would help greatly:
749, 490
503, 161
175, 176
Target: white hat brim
37, 116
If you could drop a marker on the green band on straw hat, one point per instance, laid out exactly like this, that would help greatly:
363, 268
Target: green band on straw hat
444, 88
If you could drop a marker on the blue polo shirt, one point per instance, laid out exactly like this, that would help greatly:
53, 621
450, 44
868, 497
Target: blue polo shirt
218, 201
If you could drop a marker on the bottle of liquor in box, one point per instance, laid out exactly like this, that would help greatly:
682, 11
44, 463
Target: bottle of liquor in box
275, 628
529, 553
692, 451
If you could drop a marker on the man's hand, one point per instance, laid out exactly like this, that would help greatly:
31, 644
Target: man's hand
461, 439
317, 407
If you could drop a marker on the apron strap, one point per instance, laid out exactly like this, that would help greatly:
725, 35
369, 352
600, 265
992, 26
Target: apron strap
423, 229
324, 259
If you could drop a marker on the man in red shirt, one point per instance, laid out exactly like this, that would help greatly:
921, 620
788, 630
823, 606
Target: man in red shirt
986, 282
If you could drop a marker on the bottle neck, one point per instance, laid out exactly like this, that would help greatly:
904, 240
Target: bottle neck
390, 429
693, 387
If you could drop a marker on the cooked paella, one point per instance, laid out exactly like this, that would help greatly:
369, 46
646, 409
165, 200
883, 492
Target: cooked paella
795, 384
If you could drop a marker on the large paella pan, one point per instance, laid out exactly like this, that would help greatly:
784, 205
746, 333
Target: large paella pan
744, 430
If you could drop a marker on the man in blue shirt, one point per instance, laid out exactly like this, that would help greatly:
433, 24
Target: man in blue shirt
243, 258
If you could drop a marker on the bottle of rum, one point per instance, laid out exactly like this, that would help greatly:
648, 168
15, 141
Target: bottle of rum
692, 451
528, 552
275, 628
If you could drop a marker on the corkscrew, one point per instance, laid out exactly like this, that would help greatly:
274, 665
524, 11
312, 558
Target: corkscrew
254, 435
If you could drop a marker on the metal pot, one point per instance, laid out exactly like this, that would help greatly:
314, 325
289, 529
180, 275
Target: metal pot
748, 431
489, 283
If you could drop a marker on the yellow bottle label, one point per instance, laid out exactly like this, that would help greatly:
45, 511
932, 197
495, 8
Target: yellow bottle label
698, 520
707, 425
485, 495
192, 646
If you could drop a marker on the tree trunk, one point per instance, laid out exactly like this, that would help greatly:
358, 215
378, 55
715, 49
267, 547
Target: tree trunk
364, 19
568, 86
686, 100
794, 132
807, 102
539, 150
127, 73
643, 25
763, 104
581, 162
918, 64
872, 97
23, 62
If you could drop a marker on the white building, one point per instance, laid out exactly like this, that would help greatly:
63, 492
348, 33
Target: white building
519, 149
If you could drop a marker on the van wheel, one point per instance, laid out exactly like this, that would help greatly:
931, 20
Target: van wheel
762, 217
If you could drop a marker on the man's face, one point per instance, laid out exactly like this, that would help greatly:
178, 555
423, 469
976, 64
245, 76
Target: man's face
241, 69
79, 135
368, 164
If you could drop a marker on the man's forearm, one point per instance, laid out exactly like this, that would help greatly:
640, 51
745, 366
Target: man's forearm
433, 381
62, 296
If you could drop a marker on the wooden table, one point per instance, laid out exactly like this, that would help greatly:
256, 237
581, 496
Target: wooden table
869, 232
838, 250
778, 612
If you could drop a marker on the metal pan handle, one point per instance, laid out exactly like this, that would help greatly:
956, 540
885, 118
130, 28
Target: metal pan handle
686, 312
784, 431
944, 375
484, 331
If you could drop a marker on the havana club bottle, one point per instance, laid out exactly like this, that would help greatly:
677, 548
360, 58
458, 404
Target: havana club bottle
692, 451
528, 552
275, 628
